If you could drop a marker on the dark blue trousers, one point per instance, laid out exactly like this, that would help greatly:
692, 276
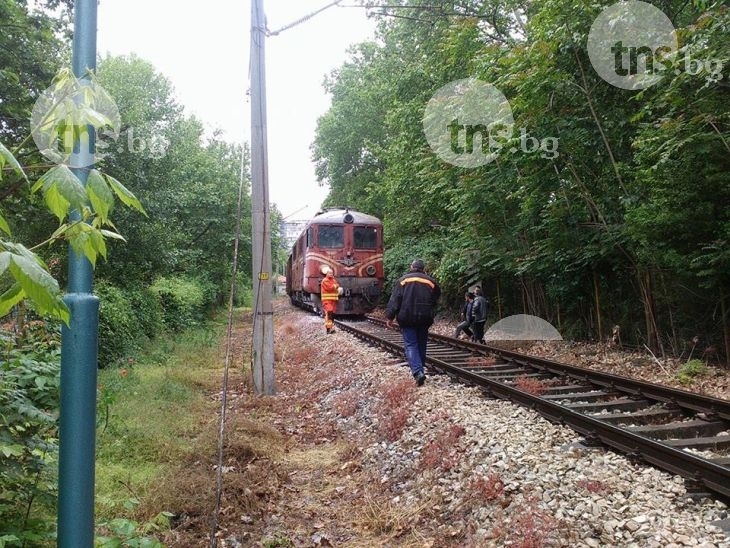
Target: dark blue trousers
414, 340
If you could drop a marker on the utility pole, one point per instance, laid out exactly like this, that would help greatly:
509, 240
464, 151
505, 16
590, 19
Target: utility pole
79, 340
263, 320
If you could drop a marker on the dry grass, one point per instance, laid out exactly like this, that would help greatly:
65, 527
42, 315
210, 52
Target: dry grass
292, 474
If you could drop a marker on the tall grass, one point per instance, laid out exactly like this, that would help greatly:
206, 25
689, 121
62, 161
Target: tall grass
151, 414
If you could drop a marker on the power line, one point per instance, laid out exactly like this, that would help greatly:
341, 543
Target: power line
302, 19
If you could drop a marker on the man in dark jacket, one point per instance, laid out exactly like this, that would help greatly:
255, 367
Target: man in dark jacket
464, 326
479, 310
413, 304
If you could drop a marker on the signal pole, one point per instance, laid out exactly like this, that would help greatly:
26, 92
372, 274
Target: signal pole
263, 320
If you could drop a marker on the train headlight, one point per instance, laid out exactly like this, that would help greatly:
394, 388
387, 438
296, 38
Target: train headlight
370, 270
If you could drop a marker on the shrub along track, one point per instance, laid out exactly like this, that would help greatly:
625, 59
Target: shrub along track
683, 433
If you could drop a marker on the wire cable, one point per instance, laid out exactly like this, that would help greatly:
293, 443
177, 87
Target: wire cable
302, 19
227, 362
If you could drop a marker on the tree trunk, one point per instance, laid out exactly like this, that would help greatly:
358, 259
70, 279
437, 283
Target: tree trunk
653, 340
499, 300
597, 305
725, 326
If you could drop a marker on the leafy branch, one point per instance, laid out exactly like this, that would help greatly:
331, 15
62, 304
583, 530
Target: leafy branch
83, 210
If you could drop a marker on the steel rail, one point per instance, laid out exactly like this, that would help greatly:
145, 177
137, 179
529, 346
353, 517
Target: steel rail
714, 477
687, 400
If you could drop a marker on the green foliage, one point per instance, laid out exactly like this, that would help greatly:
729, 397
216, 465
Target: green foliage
118, 327
81, 209
184, 301
625, 223
127, 318
689, 372
29, 377
127, 533
188, 182
147, 309
277, 541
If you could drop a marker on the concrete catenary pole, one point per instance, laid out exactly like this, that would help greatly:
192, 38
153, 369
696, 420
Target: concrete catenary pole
79, 341
263, 321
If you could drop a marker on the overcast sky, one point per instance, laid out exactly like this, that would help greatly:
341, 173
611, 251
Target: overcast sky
203, 48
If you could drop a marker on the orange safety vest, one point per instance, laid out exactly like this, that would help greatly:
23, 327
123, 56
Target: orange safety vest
329, 289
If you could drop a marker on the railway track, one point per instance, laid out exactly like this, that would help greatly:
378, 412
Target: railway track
683, 433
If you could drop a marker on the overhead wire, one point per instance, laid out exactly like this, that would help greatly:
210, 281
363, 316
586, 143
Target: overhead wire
303, 19
227, 362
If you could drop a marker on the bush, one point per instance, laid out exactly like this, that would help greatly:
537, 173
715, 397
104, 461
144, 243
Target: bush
690, 370
119, 330
147, 308
29, 378
183, 301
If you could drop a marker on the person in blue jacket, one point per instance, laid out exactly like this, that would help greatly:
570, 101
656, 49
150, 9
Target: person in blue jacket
413, 303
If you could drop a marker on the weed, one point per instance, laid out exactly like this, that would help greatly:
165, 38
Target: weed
345, 403
691, 370
302, 354
399, 394
533, 527
441, 452
481, 361
395, 408
386, 517
593, 486
487, 488
278, 541
391, 422
530, 385
123, 533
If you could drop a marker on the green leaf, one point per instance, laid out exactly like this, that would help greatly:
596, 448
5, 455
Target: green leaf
4, 226
7, 157
107, 542
110, 234
10, 298
124, 195
62, 190
56, 202
37, 283
100, 196
14, 450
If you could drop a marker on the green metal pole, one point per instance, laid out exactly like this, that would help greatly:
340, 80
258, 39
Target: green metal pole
79, 343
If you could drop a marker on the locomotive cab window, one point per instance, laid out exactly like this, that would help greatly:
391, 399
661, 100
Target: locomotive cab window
365, 237
330, 236
310, 237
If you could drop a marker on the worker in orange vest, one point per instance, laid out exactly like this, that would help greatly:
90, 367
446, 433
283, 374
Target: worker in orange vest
330, 293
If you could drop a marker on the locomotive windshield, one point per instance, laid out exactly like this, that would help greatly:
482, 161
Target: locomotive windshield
365, 237
330, 236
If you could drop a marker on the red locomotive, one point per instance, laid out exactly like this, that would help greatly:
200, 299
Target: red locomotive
351, 244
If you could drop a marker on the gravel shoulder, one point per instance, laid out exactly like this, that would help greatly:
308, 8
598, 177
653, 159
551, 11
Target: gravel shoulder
355, 455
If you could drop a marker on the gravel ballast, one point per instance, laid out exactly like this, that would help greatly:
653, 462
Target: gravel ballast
450, 467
